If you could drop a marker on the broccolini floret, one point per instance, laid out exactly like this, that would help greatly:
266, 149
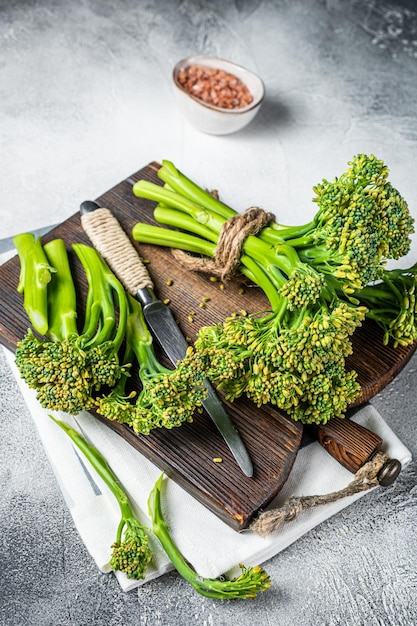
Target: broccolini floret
392, 303
294, 360
117, 404
168, 398
361, 222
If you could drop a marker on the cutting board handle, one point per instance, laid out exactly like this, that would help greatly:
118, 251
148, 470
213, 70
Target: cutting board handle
353, 445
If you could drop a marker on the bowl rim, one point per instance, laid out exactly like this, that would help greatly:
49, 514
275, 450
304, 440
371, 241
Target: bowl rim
193, 60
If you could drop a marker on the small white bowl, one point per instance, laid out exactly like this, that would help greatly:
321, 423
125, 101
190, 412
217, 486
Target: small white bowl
211, 119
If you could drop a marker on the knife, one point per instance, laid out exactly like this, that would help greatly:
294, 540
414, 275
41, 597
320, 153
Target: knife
108, 237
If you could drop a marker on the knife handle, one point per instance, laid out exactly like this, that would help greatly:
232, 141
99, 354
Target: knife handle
109, 238
353, 445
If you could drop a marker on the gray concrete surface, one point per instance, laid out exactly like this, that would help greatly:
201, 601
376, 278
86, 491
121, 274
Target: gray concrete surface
85, 100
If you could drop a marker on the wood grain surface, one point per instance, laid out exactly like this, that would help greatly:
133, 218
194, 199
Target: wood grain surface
186, 454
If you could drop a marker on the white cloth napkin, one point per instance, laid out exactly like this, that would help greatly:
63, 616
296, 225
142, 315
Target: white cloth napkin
206, 542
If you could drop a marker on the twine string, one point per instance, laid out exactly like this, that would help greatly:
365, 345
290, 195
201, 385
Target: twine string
365, 478
111, 241
229, 245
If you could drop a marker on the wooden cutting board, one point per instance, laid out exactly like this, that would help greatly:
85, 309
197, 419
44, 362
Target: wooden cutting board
186, 454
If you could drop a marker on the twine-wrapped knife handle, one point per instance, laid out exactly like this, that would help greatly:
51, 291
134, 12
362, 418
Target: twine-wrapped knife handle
115, 247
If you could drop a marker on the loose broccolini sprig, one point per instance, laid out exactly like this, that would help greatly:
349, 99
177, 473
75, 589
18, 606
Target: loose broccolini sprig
131, 552
251, 581
35, 275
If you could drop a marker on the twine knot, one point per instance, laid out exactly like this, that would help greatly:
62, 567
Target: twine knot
229, 245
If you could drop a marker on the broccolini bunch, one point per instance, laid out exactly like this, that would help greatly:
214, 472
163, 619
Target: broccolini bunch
63, 365
319, 278
74, 371
251, 581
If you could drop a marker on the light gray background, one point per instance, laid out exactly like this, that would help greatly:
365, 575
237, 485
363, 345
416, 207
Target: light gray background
86, 100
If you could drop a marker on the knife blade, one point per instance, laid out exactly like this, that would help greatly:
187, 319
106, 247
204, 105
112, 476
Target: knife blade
108, 237
6, 244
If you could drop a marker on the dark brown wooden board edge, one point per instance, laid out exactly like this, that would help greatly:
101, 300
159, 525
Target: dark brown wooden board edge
236, 520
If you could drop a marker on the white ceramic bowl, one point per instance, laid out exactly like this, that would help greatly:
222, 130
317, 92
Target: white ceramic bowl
211, 119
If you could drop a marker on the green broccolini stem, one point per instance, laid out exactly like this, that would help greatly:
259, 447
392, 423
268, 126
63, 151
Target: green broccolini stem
186, 187
101, 297
160, 529
104, 287
164, 214
35, 275
147, 233
62, 299
247, 585
140, 340
392, 304
259, 276
98, 462
278, 233
131, 553
200, 213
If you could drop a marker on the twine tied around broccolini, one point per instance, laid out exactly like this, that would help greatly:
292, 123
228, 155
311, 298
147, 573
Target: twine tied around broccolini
322, 279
